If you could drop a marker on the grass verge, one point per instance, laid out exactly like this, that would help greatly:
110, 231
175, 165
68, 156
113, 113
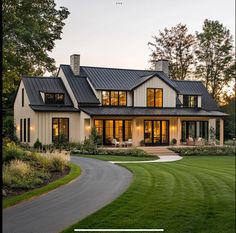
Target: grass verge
119, 157
195, 194
74, 172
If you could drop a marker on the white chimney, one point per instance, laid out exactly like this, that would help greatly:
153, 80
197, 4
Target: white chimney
162, 65
75, 63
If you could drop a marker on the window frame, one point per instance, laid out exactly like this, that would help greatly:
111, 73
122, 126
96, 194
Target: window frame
23, 97
54, 98
154, 89
109, 98
68, 130
188, 98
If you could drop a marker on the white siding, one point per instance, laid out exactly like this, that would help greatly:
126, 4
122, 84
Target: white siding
199, 101
25, 112
140, 93
44, 122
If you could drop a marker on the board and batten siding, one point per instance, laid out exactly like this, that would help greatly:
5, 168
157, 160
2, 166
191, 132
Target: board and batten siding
140, 93
44, 122
25, 112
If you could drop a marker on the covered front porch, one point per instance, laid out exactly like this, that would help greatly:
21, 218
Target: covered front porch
156, 131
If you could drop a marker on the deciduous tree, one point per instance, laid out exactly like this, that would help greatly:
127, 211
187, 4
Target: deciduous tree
175, 45
215, 59
30, 29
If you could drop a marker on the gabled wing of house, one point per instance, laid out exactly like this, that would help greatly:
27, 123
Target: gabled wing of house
142, 105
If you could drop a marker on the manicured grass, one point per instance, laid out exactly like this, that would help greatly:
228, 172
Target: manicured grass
120, 157
74, 172
193, 195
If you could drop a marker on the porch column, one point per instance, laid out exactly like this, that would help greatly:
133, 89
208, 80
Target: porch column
178, 131
221, 132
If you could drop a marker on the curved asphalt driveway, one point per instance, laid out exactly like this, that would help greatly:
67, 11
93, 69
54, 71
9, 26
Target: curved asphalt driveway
99, 184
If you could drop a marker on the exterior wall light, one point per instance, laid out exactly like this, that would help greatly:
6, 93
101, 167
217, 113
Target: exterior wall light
138, 127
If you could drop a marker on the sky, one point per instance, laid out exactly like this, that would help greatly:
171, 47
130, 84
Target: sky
107, 33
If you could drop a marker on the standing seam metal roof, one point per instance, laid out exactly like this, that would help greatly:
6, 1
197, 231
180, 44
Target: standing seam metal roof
35, 85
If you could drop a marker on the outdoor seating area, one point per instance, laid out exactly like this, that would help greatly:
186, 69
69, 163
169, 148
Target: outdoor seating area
121, 143
195, 142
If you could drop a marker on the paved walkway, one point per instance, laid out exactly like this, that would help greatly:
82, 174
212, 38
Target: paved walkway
99, 184
164, 158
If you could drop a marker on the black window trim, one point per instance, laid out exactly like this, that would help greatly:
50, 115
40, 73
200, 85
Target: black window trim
109, 91
150, 88
68, 130
188, 96
54, 94
23, 97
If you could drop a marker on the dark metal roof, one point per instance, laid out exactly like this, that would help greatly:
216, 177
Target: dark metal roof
35, 85
80, 87
159, 74
142, 111
197, 88
113, 78
54, 108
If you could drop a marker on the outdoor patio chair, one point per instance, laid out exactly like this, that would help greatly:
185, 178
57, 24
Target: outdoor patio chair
115, 142
190, 141
129, 142
200, 142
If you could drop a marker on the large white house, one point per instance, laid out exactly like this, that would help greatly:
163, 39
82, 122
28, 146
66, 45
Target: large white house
142, 105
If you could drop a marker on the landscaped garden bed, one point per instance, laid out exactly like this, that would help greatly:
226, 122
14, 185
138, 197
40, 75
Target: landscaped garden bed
29, 173
205, 150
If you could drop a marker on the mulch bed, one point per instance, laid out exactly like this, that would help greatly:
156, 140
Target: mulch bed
54, 176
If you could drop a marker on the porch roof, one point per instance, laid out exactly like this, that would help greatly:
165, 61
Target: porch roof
142, 111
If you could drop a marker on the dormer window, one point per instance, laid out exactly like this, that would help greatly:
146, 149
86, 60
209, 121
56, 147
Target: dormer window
190, 101
54, 98
114, 98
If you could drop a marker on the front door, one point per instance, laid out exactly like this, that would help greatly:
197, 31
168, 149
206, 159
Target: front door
156, 132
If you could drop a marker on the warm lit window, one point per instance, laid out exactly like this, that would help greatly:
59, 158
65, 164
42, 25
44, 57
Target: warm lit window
155, 97
60, 128
114, 98
190, 101
99, 127
122, 98
54, 98
106, 98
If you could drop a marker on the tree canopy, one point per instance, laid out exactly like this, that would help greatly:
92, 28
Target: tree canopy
30, 29
215, 58
175, 45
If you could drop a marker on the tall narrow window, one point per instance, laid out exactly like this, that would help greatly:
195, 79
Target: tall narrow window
114, 98
21, 130
155, 97
122, 98
106, 98
60, 128
24, 129
28, 125
23, 97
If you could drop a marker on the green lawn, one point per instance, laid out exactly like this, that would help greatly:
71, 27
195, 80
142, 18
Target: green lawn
193, 195
120, 158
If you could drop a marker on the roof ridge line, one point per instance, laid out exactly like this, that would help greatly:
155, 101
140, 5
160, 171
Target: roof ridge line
98, 67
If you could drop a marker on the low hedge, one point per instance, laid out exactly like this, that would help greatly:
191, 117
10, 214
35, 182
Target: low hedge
204, 150
120, 152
